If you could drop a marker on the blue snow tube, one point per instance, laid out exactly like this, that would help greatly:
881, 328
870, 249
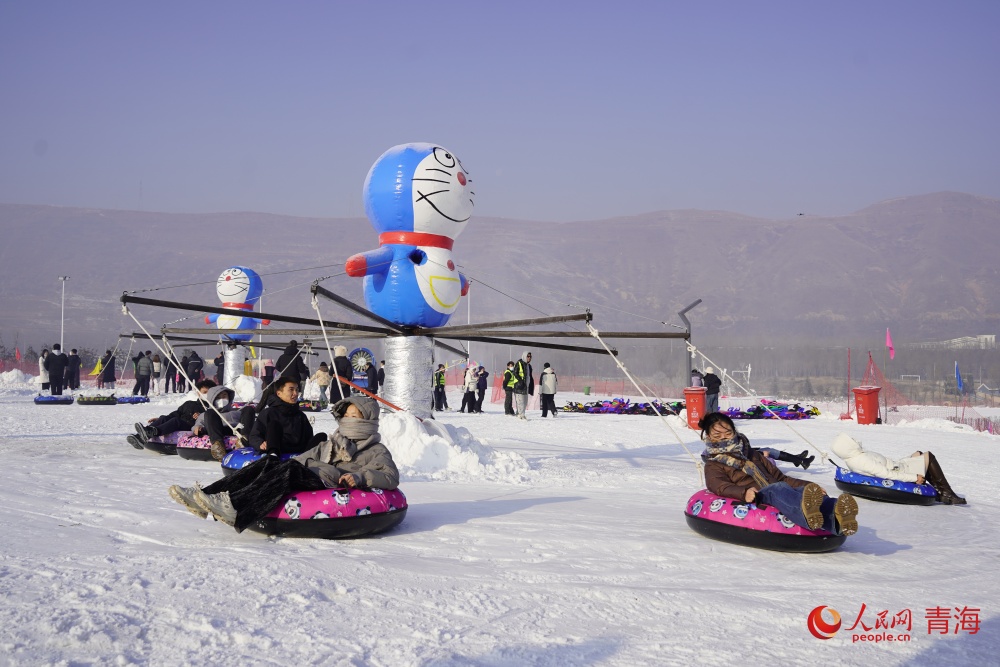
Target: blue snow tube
241, 458
132, 400
884, 490
53, 400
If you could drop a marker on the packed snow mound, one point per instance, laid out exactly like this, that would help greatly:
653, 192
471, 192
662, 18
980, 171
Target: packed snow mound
936, 424
14, 382
248, 388
441, 451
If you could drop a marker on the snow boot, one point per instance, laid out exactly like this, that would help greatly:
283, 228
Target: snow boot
812, 500
846, 513
935, 477
800, 461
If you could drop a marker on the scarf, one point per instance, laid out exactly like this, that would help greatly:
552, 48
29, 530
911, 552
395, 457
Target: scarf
351, 436
732, 453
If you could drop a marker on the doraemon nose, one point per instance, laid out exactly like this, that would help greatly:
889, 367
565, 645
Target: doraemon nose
461, 178
229, 277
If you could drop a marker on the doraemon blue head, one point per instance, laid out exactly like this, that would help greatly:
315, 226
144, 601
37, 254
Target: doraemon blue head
418, 197
419, 188
240, 288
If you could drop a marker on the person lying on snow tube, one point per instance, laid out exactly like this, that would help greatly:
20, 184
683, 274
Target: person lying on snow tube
353, 457
281, 427
919, 467
181, 419
217, 425
733, 469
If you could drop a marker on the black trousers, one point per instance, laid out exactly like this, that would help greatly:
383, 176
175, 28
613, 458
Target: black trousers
218, 430
508, 401
257, 489
56, 384
479, 401
548, 404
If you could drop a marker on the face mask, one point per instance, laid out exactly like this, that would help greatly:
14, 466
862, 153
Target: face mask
222, 402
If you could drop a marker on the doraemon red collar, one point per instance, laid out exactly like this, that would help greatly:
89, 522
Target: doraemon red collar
416, 239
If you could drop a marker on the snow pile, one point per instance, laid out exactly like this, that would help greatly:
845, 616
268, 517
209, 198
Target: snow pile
433, 450
14, 382
248, 389
936, 424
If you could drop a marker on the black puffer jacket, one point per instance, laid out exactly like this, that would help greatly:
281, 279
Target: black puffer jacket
290, 364
296, 431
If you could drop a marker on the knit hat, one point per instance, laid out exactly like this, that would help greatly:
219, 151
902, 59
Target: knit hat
339, 351
709, 369
368, 407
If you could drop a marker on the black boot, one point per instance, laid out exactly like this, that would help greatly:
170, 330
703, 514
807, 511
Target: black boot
801, 461
935, 477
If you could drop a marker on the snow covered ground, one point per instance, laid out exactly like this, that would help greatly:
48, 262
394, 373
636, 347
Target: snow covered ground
548, 542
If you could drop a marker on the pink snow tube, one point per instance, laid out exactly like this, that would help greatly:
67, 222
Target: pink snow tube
760, 526
199, 447
335, 513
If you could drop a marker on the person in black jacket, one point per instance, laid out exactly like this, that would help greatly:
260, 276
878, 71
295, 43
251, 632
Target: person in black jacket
108, 371
282, 427
195, 365
181, 419
372, 378
344, 371
712, 386
72, 370
290, 365
169, 374
481, 385
56, 364
220, 367
381, 375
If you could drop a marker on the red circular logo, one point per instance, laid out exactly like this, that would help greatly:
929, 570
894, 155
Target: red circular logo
819, 628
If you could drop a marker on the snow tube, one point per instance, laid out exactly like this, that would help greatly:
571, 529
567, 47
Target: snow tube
199, 447
96, 400
885, 490
334, 513
53, 400
241, 458
165, 444
759, 526
132, 400
311, 406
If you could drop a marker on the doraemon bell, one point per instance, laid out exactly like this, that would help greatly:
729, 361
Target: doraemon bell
418, 197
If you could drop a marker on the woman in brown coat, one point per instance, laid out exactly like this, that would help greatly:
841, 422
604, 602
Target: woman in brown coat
733, 469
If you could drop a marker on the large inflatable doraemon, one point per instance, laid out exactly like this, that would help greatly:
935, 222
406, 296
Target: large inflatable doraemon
241, 288
419, 198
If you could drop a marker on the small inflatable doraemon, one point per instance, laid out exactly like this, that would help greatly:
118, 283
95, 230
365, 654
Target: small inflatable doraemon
418, 197
241, 288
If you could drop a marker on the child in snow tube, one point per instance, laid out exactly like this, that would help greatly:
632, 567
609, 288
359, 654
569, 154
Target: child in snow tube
733, 469
353, 457
920, 467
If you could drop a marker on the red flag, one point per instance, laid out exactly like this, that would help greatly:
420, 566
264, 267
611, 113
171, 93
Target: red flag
888, 344
17, 354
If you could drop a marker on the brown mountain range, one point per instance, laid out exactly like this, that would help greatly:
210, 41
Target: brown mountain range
926, 265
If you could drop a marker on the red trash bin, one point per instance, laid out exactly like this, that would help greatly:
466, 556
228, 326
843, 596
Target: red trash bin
694, 400
866, 402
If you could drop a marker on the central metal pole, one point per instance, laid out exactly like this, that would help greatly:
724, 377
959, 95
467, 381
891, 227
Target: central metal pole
687, 323
62, 313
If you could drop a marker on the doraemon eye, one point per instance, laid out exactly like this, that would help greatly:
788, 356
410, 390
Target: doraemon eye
444, 158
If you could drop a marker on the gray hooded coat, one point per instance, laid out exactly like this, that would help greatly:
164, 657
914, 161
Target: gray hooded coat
366, 457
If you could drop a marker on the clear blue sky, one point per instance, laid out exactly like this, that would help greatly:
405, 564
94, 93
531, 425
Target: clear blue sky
560, 110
